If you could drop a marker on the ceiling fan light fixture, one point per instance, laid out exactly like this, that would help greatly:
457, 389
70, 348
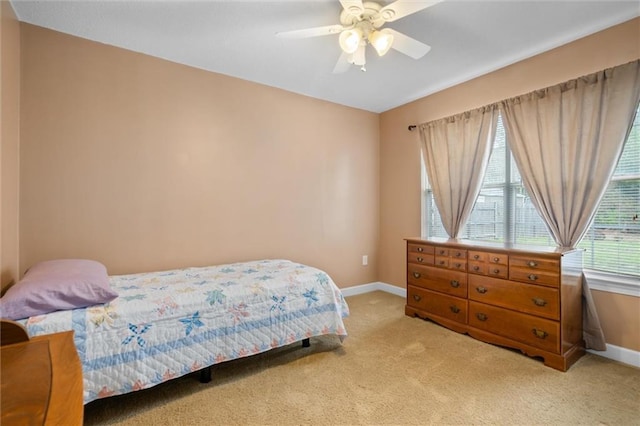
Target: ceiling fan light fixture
381, 41
350, 40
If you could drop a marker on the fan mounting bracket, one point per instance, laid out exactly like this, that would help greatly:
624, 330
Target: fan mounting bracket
370, 13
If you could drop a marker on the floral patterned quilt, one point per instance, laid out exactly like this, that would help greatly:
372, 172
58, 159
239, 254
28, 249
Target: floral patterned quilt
167, 324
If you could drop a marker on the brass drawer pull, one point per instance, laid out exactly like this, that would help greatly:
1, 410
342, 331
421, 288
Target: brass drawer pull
532, 263
481, 316
420, 249
454, 309
417, 298
496, 259
457, 265
476, 268
496, 271
540, 334
481, 290
458, 254
476, 257
441, 262
539, 302
416, 275
441, 251
455, 283
420, 259
533, 277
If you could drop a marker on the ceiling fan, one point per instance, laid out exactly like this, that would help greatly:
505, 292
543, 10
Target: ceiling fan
361, 23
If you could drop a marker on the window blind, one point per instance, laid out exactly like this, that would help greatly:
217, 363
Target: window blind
612, 243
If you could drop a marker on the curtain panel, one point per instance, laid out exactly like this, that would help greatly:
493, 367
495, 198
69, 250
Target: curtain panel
456, 152
566, 141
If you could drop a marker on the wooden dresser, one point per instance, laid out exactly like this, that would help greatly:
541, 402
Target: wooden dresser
523, 297
41, 382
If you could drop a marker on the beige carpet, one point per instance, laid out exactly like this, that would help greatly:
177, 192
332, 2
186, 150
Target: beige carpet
392, 369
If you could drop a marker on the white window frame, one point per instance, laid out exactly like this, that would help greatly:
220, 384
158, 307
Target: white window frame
613, 283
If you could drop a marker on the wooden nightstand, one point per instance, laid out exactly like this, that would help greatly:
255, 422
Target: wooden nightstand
41, 381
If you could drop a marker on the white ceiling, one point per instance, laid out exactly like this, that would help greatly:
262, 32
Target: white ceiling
237, 38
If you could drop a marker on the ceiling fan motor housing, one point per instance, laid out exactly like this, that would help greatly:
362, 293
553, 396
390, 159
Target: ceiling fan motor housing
370, 14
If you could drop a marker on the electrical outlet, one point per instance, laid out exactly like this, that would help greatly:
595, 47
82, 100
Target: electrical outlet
365, 260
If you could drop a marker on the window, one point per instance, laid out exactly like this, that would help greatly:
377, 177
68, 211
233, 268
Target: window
612, 243
504, 212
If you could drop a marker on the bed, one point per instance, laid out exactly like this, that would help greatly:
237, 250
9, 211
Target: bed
163, 325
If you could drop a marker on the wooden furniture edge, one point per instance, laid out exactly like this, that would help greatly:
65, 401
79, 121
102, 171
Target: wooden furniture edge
541, 251
66, 405
12, 332
559, 362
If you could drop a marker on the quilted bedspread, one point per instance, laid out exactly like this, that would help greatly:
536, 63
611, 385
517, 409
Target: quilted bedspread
167, 324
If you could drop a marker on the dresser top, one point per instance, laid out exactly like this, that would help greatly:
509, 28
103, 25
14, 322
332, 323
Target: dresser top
489, 245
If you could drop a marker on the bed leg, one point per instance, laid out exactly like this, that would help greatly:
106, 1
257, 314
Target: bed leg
205, 375
306, 343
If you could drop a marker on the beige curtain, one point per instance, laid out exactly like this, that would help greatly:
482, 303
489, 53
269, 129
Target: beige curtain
566, 141
456, 152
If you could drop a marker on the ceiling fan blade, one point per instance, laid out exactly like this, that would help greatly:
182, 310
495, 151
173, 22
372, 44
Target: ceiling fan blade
354, 7
359, 56
343, 64
311, 32
407, 45
401, 8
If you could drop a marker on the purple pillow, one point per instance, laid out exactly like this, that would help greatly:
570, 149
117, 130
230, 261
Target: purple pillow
57, 285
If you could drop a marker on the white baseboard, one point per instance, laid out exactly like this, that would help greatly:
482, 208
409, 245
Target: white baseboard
620, 354
616, 353
367, 288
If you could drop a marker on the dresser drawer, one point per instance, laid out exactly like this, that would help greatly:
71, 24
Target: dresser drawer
500, 271
534, 277
457, 254
419, 248
478, 267
535, 263
498, 259
458, 264
489, 257
442, 280
442, 251
532, 299
420, 258
535, 270
451, 263
449, 307
442, 261
529, 329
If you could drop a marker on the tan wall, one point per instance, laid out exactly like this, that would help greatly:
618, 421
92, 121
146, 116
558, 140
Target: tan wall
145, 164
9, 143
400, 153
620, 318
